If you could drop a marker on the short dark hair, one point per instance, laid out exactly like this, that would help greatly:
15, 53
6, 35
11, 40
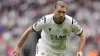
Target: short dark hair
60, 3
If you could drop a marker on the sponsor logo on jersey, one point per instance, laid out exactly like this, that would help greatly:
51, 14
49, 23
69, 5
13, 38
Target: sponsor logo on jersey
49, 29
57, 37
65, 30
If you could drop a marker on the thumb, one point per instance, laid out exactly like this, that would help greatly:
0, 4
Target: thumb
13, 52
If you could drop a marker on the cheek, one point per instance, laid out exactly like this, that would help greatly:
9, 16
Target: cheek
57, 14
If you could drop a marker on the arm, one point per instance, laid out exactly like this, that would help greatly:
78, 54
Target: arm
77, 30
81, 44
21, 41
36, 27
82, 41
24, 37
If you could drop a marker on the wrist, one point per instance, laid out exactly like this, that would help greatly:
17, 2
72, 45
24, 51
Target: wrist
79, 52
18, 46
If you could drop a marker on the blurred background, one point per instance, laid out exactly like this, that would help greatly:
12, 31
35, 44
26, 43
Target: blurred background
17, 15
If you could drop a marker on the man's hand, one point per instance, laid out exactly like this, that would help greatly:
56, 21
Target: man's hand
79, 53
17, 51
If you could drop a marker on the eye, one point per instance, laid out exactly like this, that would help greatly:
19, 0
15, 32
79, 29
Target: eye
59, 11
64, 12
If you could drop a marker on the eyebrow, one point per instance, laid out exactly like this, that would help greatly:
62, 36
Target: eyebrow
62, 11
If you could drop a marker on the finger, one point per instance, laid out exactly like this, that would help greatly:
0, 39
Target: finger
78, 54
14, 52
81, 54
18, 54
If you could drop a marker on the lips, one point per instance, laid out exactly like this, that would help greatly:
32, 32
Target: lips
61, 17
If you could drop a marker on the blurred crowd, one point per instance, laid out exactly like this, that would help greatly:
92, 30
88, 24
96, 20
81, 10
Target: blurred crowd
17, 15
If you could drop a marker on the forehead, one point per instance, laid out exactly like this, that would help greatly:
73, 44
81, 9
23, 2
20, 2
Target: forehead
61, 8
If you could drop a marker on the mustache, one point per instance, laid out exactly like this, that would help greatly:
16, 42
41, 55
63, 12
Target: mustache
61, 17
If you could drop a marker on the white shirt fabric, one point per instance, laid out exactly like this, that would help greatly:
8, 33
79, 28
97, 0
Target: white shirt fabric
54, 36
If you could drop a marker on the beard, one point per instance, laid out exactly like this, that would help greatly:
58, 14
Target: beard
59, 20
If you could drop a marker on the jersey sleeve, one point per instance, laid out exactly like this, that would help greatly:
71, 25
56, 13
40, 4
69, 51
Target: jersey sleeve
39, 24
76, 29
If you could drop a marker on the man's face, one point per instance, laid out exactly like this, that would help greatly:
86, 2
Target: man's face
59, 12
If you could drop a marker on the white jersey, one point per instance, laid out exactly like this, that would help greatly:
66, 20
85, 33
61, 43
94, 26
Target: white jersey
54, 36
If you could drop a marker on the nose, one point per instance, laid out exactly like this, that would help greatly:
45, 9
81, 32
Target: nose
61, 14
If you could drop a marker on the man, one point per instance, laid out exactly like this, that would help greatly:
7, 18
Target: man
56, 29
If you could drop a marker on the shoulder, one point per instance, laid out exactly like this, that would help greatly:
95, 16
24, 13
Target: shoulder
68, 18
48, 17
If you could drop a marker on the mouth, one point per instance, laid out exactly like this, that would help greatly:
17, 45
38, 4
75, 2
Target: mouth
60, 17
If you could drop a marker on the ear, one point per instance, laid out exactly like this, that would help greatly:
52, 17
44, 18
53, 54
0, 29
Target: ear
53, 9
